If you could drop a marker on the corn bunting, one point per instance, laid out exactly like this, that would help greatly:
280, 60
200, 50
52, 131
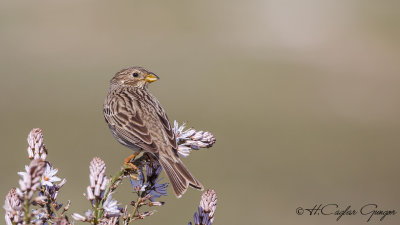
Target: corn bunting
137, 120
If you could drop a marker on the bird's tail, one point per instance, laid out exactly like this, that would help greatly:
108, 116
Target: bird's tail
179, 175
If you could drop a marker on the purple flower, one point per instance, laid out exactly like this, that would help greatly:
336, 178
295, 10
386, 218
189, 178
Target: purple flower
201, 218
138, 184
157, 189
36, 148
111, 207
206, 210
13, 207
208, 203
149, 183
97, 177
49, 176
191, 139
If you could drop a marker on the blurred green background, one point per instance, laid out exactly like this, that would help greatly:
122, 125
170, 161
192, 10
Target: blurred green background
302, 96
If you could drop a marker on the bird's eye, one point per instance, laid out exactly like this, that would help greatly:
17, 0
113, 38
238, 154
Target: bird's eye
135, 74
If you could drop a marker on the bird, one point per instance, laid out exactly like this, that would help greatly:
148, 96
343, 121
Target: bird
138, 121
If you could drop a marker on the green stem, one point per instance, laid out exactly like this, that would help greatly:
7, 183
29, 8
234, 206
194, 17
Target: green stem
49, 204
135, 208
54, 210
96, 211
114, 179
26, 210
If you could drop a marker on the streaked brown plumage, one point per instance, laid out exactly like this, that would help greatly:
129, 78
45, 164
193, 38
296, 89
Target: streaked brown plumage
137, 120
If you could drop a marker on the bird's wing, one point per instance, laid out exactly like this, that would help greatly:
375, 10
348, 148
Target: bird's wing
127, 121
165, 122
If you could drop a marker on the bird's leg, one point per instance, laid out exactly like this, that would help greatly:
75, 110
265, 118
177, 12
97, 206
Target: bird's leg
129, 159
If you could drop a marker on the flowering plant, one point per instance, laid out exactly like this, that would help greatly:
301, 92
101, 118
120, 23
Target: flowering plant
35, 200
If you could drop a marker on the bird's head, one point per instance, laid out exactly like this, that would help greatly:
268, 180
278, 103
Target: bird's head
134, 76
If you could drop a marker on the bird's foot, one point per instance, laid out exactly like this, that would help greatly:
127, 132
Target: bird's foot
128, 162
130, 166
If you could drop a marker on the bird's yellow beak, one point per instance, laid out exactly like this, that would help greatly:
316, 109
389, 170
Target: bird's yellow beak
151, 77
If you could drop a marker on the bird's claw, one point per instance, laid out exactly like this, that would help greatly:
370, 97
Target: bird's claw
128, 164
